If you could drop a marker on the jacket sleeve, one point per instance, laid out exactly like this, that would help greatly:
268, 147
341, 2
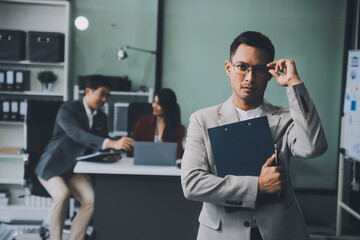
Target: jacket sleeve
305, 136
200, 183
137, 129
68, 122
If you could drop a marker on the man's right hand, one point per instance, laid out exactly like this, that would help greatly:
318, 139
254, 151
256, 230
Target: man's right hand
123, 143
272, 178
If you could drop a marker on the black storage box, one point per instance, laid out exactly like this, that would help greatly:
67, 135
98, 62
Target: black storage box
46, 46
117, 83
12, 45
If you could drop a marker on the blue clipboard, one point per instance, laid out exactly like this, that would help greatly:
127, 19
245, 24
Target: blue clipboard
241, 148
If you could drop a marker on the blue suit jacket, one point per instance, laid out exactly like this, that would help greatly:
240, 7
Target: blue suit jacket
71, 138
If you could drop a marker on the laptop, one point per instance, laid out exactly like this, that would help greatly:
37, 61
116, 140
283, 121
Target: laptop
155, 153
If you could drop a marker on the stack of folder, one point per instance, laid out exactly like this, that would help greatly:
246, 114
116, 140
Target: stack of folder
14, 80
12, 109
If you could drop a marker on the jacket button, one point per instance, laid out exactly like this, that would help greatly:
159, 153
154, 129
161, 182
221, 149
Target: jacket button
246, 224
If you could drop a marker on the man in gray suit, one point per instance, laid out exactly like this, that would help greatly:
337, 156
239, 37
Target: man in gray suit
296, 131
81, 127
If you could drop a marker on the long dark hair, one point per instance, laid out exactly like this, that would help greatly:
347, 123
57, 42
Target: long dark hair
171, 111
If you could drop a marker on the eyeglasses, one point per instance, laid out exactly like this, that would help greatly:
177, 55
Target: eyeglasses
102, 94
242, 68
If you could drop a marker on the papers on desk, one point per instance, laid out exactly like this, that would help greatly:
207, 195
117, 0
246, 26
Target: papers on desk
241, 148
102, 156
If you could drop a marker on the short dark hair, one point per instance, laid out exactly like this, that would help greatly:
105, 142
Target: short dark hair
95, 81
253, 39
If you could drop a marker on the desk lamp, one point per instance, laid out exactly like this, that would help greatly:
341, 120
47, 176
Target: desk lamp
122, 54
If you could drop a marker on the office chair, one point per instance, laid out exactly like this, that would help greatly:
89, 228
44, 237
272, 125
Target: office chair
136, 110
39, 124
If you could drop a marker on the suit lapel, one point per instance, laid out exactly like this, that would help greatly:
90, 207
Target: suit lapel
84, 121
269, 110
227, 113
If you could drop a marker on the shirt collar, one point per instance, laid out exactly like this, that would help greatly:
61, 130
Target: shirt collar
88, 111
245, 115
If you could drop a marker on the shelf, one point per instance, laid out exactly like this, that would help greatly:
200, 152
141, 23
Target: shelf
28, 63
36, 2
12, 123
10, 152
11, 156
34, 93
19, 211
11, 181
22, 207
148, 94
122, 93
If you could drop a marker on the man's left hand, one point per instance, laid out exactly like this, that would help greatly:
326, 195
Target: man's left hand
284, 71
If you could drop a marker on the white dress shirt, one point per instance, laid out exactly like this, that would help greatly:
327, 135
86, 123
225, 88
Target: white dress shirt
90, 115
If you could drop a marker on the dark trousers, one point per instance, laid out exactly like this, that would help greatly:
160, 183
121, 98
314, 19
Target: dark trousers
255, 234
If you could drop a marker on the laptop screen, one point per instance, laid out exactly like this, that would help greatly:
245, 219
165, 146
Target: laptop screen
155, 153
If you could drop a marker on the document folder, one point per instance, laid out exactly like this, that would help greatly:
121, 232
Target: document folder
241, 148
14, 110
2, 80
9, 80
22, 82
106, 155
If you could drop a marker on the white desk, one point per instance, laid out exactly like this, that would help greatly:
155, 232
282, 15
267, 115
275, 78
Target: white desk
125, 166
135, 202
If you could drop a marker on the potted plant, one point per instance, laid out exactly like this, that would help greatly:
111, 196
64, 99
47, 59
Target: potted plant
47, 78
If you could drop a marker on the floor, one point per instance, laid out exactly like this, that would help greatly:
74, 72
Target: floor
31, 232
327, 233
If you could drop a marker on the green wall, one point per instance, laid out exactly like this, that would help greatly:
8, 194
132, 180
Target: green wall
113, 24
197, 36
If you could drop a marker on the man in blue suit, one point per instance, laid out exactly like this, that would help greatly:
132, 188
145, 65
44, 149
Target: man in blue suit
81, 127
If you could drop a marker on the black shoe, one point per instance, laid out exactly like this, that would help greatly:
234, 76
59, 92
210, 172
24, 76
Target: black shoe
44, 233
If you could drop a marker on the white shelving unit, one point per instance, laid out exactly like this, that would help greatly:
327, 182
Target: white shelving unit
149, 94
28, 15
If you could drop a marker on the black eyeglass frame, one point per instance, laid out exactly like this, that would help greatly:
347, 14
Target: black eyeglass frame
254, 68
102, 94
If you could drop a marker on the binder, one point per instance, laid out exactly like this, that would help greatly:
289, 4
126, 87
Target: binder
22, 82
5, 113
241, 148
22, 110
14, 110
9, 80
2, 79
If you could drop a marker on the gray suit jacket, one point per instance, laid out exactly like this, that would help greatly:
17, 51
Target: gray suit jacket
296, 132
71, 138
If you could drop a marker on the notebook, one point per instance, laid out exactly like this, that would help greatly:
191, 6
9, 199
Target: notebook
155, 153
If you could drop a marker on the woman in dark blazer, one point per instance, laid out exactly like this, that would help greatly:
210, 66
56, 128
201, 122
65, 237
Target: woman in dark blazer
164, 125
